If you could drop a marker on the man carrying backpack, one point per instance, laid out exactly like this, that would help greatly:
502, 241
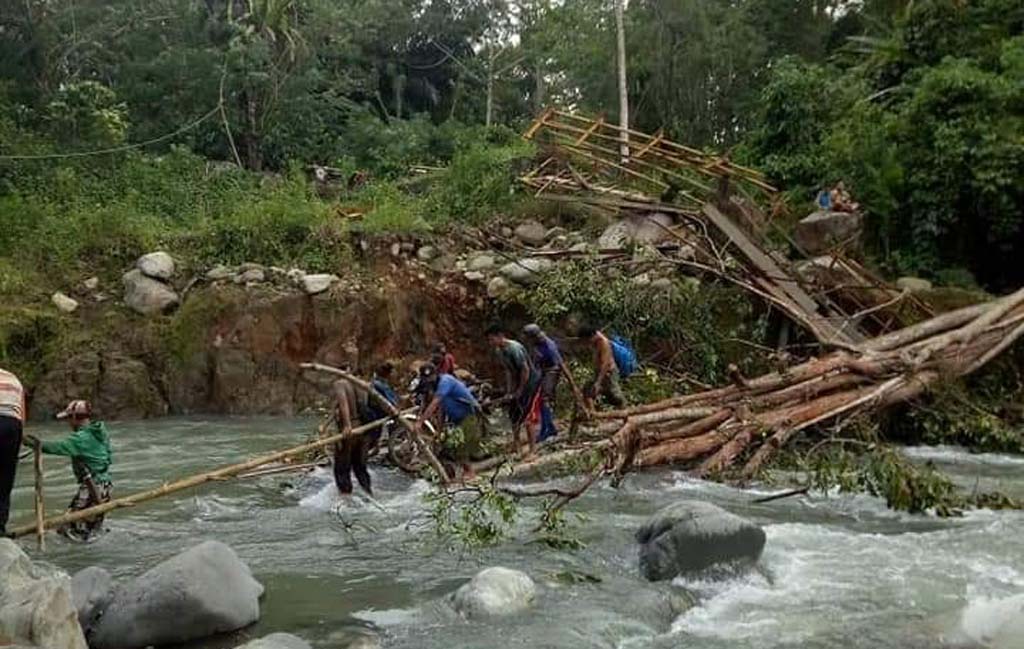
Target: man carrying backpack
606, 371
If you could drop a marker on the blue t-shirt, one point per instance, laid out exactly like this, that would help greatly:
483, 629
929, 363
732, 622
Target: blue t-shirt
546, 354
457, 401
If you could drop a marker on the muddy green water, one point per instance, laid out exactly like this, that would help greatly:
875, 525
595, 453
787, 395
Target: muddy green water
838, 571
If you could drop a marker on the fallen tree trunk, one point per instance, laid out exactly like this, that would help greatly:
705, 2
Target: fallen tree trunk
753, 418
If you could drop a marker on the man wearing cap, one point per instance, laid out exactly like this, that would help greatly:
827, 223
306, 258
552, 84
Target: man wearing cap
88, 446
448, 395
12, 417
548, 360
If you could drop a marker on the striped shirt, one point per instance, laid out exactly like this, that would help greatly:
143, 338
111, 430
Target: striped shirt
12, 396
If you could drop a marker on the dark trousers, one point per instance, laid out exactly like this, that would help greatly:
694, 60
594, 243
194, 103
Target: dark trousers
10, 446
349, 458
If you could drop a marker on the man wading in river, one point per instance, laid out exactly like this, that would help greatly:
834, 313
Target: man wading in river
88, 446
12, 416
522, 385
548, 361
352, 403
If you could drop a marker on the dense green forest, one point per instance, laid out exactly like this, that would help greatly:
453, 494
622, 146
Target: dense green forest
917, 105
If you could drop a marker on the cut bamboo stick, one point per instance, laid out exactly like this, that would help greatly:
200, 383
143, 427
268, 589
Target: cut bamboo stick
37, 449
196, 480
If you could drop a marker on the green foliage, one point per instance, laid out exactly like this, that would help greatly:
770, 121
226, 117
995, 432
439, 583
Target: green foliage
696, 322
87, 113
883, 472
27, 337
471, 519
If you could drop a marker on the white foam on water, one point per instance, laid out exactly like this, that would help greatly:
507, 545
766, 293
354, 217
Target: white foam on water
958, 455
994, 623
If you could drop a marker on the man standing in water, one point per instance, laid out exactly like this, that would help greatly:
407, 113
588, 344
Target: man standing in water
606, 373
350, 452
88, 446
12, 417
522, 383
548, 361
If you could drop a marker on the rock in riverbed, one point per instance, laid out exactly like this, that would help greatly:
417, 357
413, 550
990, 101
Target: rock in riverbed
35, 603
276, 641
198, 593
494, 591
91, 590
691, 535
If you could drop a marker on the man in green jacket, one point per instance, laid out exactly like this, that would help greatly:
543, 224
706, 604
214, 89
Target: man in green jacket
88, 446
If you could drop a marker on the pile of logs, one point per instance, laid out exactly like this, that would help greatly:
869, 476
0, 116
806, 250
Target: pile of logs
749, 420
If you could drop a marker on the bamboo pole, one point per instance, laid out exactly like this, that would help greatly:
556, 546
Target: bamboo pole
442, 475
196, 480
37, 448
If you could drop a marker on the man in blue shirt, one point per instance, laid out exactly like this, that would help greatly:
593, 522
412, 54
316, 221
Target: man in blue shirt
548, 360
462, 414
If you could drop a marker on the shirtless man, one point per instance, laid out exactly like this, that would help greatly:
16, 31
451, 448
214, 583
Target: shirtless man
350, 452
606, 372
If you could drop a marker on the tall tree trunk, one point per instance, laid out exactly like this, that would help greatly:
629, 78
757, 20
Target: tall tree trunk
491, 56
540, 89
252, 143
620, 33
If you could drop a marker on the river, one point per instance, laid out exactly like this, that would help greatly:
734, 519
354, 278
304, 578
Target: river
838, 570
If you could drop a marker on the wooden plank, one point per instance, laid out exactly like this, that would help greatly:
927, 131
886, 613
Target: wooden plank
590, 131
775, 274
650, 145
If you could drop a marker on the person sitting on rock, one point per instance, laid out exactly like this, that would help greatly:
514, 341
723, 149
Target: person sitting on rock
606, 381
462, 416
351, 403
442, 359
841, 199
88, 446
522, 385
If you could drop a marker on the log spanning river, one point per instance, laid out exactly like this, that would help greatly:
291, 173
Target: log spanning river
838, 571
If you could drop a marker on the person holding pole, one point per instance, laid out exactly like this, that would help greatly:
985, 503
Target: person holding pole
12, 418
352, 403
88, 446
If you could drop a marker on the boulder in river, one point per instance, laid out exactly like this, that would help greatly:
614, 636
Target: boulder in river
276, 641
493, 592
146, 295
91, 590
158, 265
204, 590
527, 270
691, 535
35, 603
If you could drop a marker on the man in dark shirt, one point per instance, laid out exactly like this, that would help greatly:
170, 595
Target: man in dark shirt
548, 360
522, 383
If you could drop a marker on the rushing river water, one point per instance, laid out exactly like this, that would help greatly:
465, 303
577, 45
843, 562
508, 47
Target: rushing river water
838, 571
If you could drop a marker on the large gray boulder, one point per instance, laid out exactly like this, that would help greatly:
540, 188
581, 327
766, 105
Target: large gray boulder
35, 604
493, 592
822, 231
276, 641
639, 229
691, 535
91, 590
158, 265
198, 593
146, 295
526, 271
